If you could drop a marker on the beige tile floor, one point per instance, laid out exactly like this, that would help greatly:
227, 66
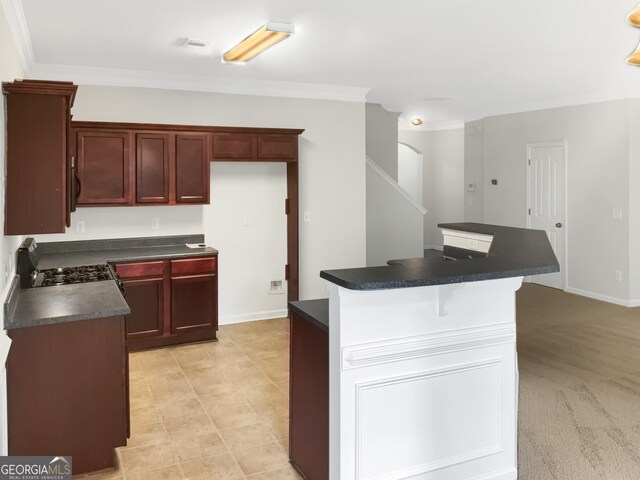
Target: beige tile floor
216, 410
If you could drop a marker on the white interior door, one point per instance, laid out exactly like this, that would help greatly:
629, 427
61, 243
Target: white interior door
546, 202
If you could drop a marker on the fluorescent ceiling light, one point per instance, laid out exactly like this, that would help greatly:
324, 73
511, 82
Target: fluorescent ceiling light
256, 43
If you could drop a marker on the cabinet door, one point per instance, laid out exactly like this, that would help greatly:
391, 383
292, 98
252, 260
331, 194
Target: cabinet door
146, 300
144, 283
103, 167
193, 302
277, 147
152, 168
192, 168
36, 164
234, 146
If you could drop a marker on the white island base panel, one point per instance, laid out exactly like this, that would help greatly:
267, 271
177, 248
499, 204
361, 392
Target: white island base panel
424, 382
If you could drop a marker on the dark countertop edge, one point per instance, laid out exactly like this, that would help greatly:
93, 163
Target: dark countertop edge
11, 303
75, 246
315, 311
205, 252
514, 252
438, 280
39, 322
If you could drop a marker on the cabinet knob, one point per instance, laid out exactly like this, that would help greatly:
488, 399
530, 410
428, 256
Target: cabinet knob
559, 225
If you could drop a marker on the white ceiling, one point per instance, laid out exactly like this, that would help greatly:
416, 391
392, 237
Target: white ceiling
486, 56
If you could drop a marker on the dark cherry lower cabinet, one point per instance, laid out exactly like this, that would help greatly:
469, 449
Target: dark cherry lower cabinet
67, 391
309, 399
171, 301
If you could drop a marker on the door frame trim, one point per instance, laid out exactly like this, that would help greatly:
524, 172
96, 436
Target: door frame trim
564, 144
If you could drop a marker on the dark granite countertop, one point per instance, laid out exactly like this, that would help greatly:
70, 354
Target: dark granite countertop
94, 252
69, 303
315, 311
66, 303
514, 252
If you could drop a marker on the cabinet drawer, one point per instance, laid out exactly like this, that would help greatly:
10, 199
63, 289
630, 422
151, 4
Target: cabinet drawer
142, 269
193, 265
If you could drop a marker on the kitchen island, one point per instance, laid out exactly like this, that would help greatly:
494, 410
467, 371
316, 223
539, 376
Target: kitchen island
422, 363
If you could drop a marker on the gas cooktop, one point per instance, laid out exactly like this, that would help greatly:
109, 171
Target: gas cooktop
71, 275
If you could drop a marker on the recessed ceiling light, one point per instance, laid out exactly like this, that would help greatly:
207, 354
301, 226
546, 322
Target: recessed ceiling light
416, 121
266, 36
195, 43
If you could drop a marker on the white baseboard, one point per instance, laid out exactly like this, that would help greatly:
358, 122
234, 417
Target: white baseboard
604, 298
433, 247
252, 317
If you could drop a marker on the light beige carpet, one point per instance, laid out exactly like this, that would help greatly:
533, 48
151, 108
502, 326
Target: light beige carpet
579, 359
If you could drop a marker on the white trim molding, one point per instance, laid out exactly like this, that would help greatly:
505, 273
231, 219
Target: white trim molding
197, 83
253, 317
603, 298
376, 353
18, 26
376, 168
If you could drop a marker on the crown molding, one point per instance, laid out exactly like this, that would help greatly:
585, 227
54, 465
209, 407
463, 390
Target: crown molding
199, 83
18, 26
432, 127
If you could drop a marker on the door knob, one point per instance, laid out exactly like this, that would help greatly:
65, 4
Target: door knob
559, 225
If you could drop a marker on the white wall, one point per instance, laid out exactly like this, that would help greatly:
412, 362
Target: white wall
634, 202
394, 224
410, 171
332, 189
382, 138
443, 184
10, 69
598, 139
474, 171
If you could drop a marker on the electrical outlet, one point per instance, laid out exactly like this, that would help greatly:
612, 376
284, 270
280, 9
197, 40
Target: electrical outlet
155, 223
618, 275
247, 220
80, 226
306, 217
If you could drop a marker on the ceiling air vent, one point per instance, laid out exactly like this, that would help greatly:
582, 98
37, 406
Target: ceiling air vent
195, 43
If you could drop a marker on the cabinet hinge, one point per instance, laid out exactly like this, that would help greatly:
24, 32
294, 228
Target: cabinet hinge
529, 162
529, 211
286, 206
286, 272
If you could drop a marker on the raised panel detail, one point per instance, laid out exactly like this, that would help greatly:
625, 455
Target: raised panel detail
152, 168
103, 167
192, 168
146, 300
234, 146
462, 401
193, 302
283, 147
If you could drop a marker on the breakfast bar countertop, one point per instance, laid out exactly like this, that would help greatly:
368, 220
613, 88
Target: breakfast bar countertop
514, 252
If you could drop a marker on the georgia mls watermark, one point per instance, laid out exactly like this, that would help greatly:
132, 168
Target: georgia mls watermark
35, 468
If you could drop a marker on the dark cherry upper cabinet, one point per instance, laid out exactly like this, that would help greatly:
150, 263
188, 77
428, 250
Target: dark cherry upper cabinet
194, 286
145, 284
192, 168
152, 167
278, 147
234, 146
104, 162
37, 165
